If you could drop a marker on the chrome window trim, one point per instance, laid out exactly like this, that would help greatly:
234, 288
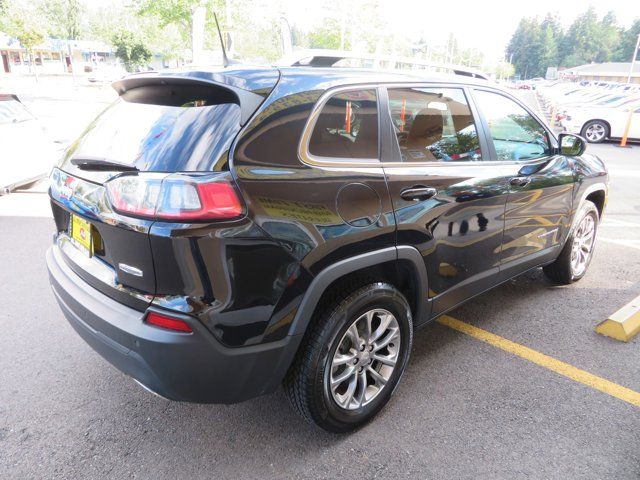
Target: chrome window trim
308, 158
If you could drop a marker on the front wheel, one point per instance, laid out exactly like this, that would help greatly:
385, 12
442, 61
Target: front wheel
595, 131
352, 359
574, 259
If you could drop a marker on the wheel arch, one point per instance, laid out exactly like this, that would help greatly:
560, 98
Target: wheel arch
401, 266
596, 193
598, 197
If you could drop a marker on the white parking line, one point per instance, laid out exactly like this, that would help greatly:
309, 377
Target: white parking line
624, 243
614, 222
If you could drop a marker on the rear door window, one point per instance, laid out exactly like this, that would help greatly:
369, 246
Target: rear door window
183, 129
515, 133
347, 127
433, 125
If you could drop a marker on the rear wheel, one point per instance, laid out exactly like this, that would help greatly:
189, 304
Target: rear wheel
574, 259
595, 131
352, 359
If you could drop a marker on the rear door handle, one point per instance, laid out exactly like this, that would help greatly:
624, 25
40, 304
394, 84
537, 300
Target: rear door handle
418, 193
519, 181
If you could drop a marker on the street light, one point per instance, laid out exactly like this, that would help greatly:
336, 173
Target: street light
633, 59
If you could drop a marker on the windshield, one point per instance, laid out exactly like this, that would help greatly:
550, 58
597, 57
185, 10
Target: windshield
150, 137
12, 111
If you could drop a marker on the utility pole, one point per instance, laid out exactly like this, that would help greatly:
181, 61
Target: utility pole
633, 59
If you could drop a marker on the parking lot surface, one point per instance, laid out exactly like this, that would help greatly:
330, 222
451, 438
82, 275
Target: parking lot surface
465, 409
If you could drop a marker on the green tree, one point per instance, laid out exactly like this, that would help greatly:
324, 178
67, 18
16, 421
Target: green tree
526, 47
548, 51
583, 40
4, 15
327, 35
180, 14
628, 39
30, 35
504, 70
131, 50
63, 17
609, 36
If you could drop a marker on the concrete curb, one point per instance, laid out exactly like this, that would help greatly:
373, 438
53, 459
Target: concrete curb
624, 324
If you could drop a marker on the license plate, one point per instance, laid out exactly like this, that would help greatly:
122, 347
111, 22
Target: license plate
81, 234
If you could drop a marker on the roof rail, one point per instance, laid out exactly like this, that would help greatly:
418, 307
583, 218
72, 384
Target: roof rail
328, 58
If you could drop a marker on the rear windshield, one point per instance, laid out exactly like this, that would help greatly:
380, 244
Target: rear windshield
191, 136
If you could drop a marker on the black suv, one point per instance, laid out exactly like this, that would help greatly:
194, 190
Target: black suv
223, 232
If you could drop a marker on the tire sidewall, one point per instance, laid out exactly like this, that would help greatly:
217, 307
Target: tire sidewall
374, 296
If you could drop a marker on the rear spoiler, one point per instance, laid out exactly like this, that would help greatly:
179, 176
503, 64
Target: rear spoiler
133, 88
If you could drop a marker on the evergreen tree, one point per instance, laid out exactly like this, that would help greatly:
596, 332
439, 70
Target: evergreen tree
583, 39
628, 39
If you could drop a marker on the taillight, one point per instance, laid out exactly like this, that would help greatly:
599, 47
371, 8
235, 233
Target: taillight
177, 197
169, 323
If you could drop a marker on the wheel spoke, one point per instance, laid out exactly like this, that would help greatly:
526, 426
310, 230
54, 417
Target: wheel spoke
341, 358
386, 340
380, 380
386, 360
349, 371
362, 384
385, 320
354, 336
351, 389
368, 319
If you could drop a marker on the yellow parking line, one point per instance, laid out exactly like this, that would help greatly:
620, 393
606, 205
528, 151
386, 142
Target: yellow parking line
561, 368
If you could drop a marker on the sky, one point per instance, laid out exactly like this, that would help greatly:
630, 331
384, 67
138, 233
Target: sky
483, 24
486, 25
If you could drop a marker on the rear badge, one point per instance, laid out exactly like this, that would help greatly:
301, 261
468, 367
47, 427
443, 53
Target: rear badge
136, 272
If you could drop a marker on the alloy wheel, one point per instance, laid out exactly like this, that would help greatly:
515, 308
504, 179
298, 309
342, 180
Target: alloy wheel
582, 246
595, 132
365, 359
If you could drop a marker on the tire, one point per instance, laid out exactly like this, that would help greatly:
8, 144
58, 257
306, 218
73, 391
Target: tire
595, 131
330, 341
563, 270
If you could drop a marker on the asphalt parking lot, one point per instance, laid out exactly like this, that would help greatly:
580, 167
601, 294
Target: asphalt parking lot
465, 409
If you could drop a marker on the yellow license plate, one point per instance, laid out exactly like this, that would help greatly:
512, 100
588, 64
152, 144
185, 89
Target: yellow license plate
81, 233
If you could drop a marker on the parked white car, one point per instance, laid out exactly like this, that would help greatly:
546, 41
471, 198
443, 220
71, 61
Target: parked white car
598, 124
27, 152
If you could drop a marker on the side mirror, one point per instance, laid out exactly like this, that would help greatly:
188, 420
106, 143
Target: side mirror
572, 145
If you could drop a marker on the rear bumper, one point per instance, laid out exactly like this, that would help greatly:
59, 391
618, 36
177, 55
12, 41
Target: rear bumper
185, 367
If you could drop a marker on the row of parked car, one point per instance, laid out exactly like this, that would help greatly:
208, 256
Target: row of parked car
598, 111
29, 152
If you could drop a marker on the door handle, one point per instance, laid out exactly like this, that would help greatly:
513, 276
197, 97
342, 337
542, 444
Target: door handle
519, 181
418, 193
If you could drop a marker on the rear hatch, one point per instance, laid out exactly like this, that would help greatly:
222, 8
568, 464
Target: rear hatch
159, 152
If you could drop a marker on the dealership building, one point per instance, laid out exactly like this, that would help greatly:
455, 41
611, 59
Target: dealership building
606, 72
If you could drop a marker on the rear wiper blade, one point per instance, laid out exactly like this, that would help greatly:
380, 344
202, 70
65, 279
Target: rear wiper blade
101, 165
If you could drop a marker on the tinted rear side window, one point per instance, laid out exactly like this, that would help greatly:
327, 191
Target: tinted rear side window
188, 131
347, 126
434, 124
